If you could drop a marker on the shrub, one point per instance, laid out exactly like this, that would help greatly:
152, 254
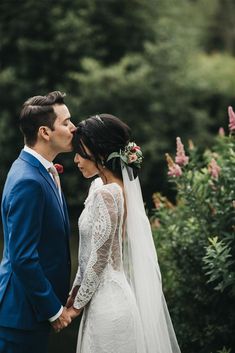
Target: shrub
195, 240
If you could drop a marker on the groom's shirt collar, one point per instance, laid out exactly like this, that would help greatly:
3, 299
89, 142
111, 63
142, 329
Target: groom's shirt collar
46, 164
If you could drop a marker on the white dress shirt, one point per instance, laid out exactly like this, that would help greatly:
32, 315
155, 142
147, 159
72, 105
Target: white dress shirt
47, 165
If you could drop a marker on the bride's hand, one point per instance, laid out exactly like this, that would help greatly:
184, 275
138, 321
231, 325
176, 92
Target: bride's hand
71, 298
73, 312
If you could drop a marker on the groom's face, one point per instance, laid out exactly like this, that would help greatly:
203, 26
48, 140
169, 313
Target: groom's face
61, 136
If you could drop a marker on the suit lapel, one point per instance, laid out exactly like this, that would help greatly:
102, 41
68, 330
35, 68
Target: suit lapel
66, 215
48, 178
35, 162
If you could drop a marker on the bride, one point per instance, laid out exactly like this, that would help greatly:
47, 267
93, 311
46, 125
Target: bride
118, 281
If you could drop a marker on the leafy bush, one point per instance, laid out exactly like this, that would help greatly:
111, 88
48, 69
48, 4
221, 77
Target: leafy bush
195, 239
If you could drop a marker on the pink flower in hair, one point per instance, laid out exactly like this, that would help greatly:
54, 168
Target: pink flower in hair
181, 157
132, 158
214, 169
135, 148
231, 115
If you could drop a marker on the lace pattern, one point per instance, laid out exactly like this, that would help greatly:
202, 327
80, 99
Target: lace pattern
110, 321
100, 243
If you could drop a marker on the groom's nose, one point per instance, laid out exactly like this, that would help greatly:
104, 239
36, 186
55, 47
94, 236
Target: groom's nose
76, 158
72, 127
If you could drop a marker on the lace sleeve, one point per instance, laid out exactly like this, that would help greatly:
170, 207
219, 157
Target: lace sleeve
77, 280
105, 217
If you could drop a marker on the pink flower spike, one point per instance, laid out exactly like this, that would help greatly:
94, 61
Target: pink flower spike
191, 145
221, 132
180, 158
175, 170
231, 115
214, 169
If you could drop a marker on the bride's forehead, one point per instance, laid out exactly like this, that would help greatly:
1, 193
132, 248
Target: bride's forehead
83, 151
86, 149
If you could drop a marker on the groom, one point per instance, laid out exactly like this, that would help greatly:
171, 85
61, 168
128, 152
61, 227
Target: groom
35, 268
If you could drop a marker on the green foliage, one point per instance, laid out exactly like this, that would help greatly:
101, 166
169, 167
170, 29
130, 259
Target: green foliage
166, 68
142, 62
195, 240
224, 350
218, 264
222, 36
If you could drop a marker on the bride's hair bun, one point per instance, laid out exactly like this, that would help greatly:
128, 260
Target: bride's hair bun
104, 135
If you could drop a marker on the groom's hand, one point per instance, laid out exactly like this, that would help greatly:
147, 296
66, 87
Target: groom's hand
63, 321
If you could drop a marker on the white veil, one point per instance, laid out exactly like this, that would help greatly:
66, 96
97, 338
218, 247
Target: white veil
142, 270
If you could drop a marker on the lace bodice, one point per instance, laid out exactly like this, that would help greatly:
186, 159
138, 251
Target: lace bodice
100, 231
123, 315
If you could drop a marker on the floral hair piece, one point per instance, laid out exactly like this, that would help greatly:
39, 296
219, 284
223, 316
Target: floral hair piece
131, 155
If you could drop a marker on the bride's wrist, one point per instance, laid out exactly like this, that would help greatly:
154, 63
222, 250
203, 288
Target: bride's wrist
76, 310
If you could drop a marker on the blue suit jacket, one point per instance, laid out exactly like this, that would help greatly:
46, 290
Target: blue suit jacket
35, 269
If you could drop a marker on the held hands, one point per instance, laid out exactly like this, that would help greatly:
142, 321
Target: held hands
63, 321
73, 312
69, 313
65, 318
71, 298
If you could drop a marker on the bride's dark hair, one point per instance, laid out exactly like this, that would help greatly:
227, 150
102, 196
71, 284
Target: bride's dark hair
102, 134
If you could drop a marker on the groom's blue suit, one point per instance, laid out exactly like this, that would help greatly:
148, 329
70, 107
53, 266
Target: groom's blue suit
35, 269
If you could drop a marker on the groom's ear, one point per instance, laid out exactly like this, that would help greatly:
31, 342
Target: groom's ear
44, 133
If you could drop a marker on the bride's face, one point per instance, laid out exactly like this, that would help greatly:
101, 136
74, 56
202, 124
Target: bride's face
87, 167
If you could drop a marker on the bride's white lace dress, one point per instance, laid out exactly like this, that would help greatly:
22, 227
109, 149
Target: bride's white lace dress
111, 321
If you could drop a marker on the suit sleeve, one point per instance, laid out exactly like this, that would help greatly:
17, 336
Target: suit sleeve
25, 221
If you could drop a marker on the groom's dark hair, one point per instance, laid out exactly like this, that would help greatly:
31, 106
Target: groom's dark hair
38, 111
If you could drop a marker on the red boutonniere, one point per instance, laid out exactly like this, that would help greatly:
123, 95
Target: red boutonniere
59, 168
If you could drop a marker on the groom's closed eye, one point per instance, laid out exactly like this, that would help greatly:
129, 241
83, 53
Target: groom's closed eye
67, 121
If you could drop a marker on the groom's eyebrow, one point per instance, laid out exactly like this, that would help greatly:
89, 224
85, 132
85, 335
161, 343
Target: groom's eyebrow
69, 118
